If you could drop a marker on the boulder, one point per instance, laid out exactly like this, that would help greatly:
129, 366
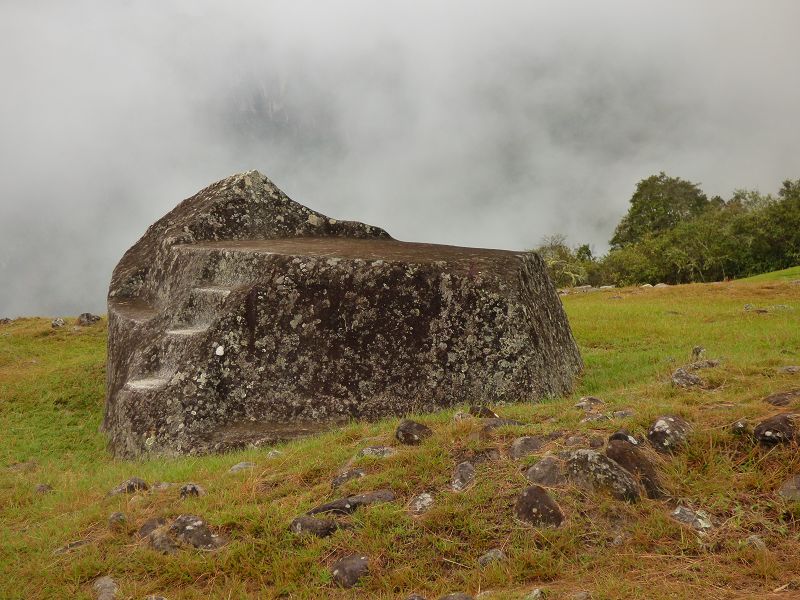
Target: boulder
631, 458
57, 323
668, 433
243, 317
193, 531
319, 527
191, 489
348, 505
684, 378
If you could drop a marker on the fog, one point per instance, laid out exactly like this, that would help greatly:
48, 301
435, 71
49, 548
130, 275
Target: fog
474, 123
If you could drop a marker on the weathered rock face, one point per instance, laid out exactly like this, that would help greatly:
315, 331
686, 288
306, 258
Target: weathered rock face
243, 317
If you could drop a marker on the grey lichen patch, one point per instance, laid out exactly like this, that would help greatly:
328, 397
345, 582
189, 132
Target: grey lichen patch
242, 318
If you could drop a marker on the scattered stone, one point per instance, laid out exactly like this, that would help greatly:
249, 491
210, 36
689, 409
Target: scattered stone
779, 429
313, 525
348, 570
461, 416
130, 486
789, 370
481, 456
412, 433
535, 594
242, 466
160, 541
595, 418
535, 507
105, 588
70, 547
741, 427
622, 414
596, 442
595, 471
117, 521
783, 398
699, 520
624, 436
57, 323
150, 525
685, 379
633, 459
646, 285
86, 319
44, 488
755, 541
661, 285
699, 365
549, 471
493, 555
575, 440
483, 412
524, 446
346, 476
350, 504
192, 489
790, 489
463, 476
457, 596
668, 433
193, 530
588, 403
377, 451
421, 503
580, 596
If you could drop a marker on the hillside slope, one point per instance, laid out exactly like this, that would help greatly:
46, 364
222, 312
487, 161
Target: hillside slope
51, 390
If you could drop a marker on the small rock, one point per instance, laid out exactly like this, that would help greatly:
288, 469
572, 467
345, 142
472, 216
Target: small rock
421, 503
684, 379
191, 489
457, 596
783, 398
150, 525
350, 504
193, 530
348, 570
596, 471
377, 451
524, 446
117, 521
412, 433
756, 542
790, 489
646, 285
86, 319
699, 365
160, 541
595, 418
346, 476
789, 370
669, 433
741, 427
463, 476
57, 323
596, 442
634, 460
493, 555
105, 588
779, 429
130, 486
624, 436
622, 414
461, 416
575, 440
661, 285
242, 466
548, 472
535, 594
313, 525
483, 412
699, 520
588, 403
536, 507
43, 488
580, 596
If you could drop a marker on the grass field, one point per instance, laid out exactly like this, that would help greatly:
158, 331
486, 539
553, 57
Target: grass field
51, 397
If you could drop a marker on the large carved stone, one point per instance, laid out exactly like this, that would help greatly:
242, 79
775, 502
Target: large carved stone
243, 317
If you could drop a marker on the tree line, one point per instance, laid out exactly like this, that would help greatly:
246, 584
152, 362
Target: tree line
673, 233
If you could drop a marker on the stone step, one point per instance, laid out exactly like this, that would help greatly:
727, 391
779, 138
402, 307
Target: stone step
188, 331
134, 309
147, 384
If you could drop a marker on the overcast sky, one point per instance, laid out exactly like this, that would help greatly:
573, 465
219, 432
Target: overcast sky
472, 123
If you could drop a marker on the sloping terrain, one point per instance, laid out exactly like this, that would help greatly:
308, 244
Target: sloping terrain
51, 391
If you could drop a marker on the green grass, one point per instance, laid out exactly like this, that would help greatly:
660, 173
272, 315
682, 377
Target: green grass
790, 274
51, 395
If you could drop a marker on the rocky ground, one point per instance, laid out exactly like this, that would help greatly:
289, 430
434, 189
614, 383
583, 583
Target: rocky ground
672, 472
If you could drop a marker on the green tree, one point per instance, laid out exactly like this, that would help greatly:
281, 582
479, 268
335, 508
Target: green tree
659, 204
